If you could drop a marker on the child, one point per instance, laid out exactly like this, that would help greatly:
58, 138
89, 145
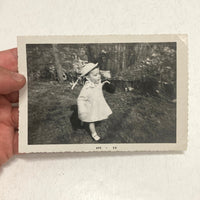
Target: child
92, 106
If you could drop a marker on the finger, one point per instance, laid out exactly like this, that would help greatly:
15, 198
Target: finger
6, 142
15, 118
8, 59
10, 81
15, 143
13, 97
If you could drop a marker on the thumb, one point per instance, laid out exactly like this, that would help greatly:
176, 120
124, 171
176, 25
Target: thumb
10, 81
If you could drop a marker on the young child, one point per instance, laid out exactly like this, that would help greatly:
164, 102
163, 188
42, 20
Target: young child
92, 106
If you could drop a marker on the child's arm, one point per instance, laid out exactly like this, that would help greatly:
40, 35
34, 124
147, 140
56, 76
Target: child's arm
107, 86
103, 83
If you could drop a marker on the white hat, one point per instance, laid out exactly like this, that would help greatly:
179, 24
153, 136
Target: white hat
87, 68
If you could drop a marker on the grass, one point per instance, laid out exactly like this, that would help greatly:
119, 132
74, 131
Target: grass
136, 118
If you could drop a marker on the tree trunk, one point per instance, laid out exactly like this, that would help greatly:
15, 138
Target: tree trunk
124, 56
116, 58
57, 62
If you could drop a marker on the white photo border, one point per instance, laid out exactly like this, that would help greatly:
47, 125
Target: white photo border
182, 93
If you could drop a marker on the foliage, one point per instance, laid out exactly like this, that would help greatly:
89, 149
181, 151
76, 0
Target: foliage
157, 69
150, 66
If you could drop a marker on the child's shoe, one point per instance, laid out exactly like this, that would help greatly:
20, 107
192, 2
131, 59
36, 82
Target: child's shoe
95, 136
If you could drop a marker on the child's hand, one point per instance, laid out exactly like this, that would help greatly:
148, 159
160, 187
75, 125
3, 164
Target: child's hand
105, 82
10, 83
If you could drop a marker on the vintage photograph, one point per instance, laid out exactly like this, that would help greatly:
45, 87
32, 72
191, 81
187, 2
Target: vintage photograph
101, 93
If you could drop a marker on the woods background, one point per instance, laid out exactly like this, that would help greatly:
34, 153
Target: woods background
151, 66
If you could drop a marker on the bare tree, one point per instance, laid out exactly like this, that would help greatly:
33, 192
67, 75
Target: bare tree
123, 56
57, 62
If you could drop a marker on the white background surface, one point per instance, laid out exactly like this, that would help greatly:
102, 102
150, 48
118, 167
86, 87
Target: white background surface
111, 176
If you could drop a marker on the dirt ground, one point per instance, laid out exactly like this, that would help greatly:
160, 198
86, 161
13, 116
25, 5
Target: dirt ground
136, 118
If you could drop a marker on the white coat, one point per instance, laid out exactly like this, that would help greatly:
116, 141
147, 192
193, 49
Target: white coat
91, 103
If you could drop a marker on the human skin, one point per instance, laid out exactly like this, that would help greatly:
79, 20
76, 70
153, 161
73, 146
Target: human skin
94, 76
10, 84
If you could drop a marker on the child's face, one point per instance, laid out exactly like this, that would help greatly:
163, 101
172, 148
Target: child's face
94, 76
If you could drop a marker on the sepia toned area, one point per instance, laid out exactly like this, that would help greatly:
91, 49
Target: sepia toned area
143, 102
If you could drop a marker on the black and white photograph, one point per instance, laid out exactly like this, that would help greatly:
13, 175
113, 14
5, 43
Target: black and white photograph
101, 93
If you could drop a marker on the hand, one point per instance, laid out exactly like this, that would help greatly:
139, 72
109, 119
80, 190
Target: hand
105, 82
10, 83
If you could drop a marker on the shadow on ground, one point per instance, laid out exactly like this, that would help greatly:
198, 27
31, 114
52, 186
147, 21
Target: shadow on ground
136, 118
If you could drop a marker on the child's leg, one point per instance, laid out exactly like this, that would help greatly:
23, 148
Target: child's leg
92, 127
93, 131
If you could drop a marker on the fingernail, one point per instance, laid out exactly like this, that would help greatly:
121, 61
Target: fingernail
18, 77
